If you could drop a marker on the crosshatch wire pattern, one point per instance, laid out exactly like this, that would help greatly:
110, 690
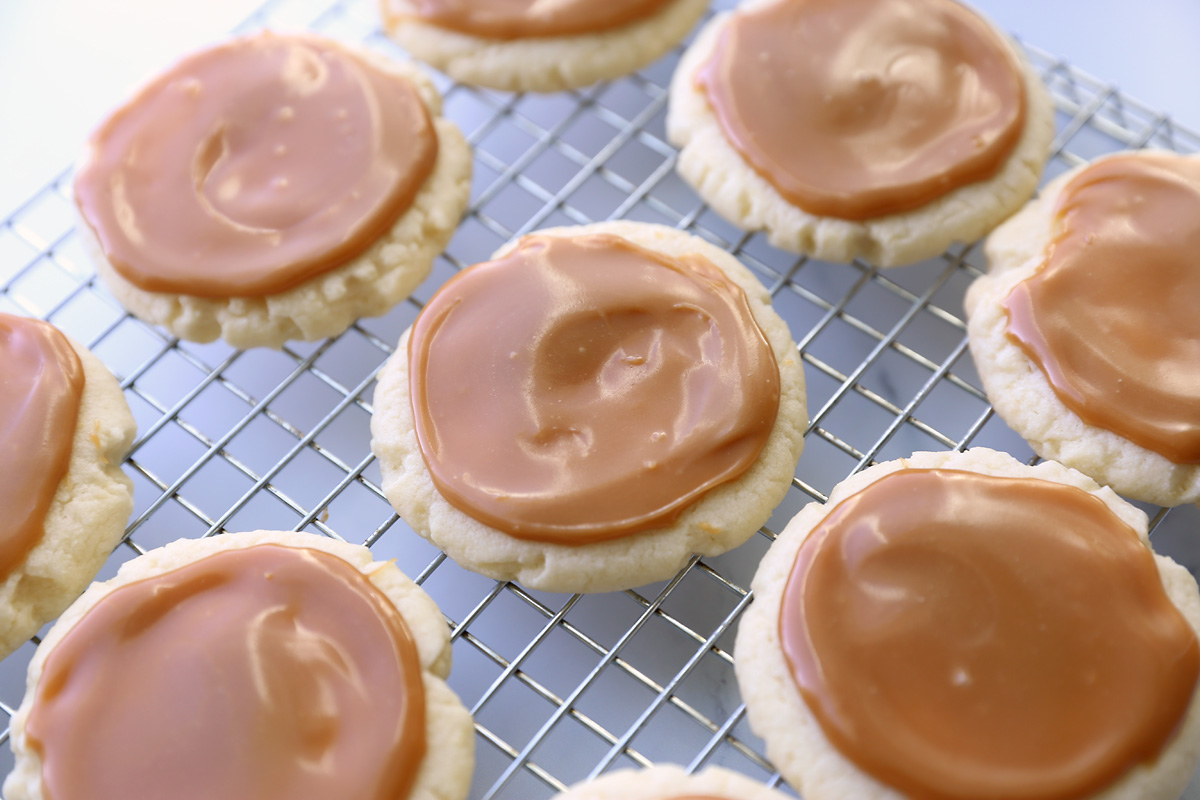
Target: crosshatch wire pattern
562, 687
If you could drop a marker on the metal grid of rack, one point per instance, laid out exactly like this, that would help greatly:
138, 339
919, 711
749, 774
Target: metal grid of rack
562, 687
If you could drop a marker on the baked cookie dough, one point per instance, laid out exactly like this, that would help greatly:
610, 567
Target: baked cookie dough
544, 62
289, 207
722, 518
727, 181
1019, 387
893, 592
669, 782
281, 709
86, 514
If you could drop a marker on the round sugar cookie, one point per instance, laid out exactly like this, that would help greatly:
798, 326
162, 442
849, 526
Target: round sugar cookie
542, 63
720, 519
312, 588
669, 782
87, 515
378, 262
736, 190
797, 740
1019, 389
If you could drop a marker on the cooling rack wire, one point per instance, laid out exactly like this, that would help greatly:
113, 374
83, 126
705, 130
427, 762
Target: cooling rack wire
562, 687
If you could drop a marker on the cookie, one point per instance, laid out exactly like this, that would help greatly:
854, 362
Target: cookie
669, 782
66, 430
279, 664
828, 125
964, 625
605, 401
272, 188
1098, 368
565, 46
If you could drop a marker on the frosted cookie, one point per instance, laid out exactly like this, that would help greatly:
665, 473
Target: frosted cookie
526, 46
590, 408
272, 188
65, 430
1097, 363
668, 782
873, 129
964, 626
258, 664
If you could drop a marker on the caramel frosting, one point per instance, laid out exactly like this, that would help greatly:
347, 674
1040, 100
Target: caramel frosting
960, 636
580, 389
1110, 316
263, 672
861, 108
39, 409
518, 19
254, 166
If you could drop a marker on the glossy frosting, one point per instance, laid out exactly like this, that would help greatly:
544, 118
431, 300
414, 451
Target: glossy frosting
251, 167
862, 108
580, 389
39, 408
961, 636
516, 19
1110, 317
268, 672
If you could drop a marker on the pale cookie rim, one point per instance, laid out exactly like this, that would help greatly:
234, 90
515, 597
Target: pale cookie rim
794, 740
445, 772
710, 165
668, 782
88, 513
714, 524
386, 272
545, 63
1015, 251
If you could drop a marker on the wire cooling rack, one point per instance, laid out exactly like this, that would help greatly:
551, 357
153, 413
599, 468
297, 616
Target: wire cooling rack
562, 687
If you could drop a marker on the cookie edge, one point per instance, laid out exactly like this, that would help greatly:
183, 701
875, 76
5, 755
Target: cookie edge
551, 63
87, 515
731, 187
794, 740
667, 782
445, 772
370, 284
624, 562
1019, 390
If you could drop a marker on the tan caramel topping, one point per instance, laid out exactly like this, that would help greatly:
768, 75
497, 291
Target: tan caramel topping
861, 108
1111, 316
266, 672
39, 408
518, 19
577, 390
251, 167
962, 637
